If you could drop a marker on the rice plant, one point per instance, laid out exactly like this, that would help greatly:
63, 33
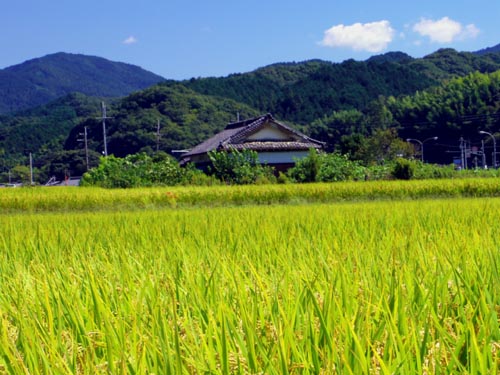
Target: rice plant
383, 287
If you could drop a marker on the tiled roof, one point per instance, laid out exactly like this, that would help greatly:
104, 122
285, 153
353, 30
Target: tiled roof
235, 134
272, 146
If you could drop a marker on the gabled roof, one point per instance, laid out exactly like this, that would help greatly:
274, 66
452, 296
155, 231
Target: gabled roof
234, 135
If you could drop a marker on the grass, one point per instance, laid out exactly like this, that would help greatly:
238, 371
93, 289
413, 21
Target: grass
386, 287
90, 199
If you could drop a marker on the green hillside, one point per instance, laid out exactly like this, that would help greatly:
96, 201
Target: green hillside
303, 92
39, 81
186, 118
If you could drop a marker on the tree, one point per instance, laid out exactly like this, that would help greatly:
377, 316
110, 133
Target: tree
21, 173
239, 167
383, 145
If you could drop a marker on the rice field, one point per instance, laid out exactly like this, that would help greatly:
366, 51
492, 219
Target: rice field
350, 287
42, 199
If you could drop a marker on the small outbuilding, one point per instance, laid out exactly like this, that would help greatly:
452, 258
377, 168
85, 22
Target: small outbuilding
276, 144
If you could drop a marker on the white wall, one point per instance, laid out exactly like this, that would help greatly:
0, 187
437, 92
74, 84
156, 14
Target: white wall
269, 133
281, 157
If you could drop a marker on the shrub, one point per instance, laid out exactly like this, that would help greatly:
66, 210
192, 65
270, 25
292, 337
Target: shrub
239, 167
137, 170
306, 169
320, 167
403, 169
336, 167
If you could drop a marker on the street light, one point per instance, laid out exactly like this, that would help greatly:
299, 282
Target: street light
421, 143
494, 159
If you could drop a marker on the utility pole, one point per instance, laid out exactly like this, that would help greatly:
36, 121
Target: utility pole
462, 152
494, 155
158, 136
484, 155
103, 118
86, 146
31, 169
466, 154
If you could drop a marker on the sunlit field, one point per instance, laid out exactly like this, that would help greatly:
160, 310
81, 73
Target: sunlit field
395, 286
92, 199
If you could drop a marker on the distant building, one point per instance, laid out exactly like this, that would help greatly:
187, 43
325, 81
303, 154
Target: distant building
276, 144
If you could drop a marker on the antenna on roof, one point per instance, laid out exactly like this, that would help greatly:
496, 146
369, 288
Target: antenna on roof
237, 116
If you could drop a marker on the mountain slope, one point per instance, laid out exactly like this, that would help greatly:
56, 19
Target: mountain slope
38, 81
484, 51
29, 130
447, 63
303, 92
185, 117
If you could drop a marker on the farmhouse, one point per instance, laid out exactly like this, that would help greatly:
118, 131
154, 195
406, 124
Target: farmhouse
276, 144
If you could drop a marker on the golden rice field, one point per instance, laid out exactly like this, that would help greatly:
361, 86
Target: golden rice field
90, 199
351, 286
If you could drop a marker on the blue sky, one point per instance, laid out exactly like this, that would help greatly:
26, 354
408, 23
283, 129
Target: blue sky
194, 38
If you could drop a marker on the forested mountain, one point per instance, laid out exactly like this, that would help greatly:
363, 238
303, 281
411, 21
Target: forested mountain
303, 92
45, 126
446, 94
447, 63
39, 81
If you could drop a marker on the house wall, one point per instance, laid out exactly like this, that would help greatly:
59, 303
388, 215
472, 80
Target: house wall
269, 133
282, 157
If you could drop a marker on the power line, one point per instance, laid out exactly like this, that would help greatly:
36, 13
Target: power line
456, 120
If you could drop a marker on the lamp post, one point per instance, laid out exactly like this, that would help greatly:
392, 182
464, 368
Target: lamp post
494, 158
421, 143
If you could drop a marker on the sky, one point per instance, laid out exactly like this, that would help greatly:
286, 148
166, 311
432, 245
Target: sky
212, 38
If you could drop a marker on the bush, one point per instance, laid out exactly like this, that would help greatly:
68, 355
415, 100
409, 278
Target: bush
403, 169
240, 167
306, 169
336, 167
320, 167
137, 170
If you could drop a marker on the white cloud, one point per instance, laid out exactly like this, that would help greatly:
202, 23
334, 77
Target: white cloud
471, 31
445, 30
130, 40
371, 37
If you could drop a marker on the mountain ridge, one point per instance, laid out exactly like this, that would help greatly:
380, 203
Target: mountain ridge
40, 80
486, 50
